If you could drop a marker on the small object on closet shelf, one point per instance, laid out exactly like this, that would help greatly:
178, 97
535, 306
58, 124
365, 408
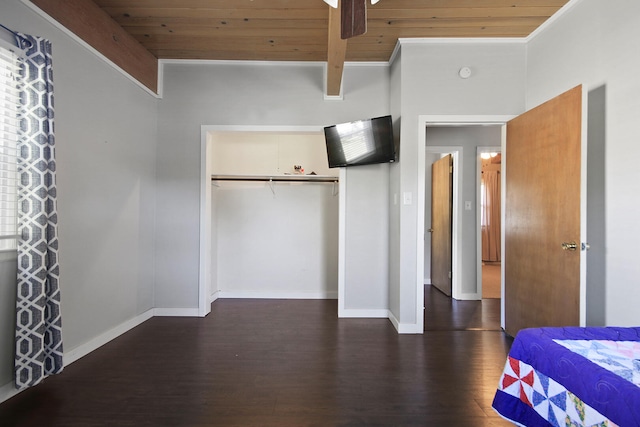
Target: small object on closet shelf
298, 169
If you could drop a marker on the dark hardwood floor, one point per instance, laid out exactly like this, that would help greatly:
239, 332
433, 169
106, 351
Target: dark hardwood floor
280, 363
445, 314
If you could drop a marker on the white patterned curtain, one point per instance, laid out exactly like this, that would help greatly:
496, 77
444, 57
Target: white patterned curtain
38, 322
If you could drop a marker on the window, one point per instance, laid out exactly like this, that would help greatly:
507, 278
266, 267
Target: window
10, 86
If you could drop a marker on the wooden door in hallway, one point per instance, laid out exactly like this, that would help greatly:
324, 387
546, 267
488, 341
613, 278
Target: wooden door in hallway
543, 215
441, 218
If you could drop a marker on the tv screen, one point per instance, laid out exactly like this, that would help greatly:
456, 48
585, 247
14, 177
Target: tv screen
362, 142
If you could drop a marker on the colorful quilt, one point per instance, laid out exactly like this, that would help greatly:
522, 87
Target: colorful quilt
572, 377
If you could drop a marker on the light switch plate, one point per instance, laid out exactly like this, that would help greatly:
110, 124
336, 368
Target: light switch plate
407, 198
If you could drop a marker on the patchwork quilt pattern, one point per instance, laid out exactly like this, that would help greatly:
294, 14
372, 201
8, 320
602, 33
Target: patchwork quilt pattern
551, 400
620, 357
572, 376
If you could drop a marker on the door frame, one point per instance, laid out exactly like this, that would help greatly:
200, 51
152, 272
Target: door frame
425, 121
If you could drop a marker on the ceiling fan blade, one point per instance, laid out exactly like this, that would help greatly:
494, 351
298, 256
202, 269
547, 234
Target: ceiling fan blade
353, 18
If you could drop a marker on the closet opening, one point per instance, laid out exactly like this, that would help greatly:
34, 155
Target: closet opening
269, 215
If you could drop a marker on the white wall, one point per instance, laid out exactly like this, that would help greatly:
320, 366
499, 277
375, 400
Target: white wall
430, 85
231, 94
105, 144
596, 43
263, 152
280, 244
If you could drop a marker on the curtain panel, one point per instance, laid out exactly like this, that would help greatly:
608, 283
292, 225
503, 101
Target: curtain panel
38, 322
491, 216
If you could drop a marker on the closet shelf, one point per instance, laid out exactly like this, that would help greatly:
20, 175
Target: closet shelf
276, 178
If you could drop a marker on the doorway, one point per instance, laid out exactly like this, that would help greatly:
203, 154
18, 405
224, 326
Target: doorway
489, 221
208, 289
465, 258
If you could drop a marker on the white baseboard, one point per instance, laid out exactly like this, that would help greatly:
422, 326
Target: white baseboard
469, 297
278, 295
363, 313
394, 321
86, 348
214, 296
7, 391
402, 328
409, 328
405, 328
176, 312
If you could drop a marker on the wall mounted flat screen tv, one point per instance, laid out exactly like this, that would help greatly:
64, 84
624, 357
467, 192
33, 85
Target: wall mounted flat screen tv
362, 142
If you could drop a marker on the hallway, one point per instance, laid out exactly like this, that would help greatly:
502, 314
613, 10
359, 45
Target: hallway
443, 313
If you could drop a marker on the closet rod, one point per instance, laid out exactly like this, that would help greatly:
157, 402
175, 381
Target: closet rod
286, 178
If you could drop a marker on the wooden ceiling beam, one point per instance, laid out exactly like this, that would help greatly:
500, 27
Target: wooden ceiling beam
336, 52
93, 25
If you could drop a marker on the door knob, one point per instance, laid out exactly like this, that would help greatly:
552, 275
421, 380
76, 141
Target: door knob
570, 246
430, 230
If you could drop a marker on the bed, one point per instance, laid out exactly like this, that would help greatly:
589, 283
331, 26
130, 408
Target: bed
572, 377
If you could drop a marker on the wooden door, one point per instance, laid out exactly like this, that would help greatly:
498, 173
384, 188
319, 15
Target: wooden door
441, 211
542, 212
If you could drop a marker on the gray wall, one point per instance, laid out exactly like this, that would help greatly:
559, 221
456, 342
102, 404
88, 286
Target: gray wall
430, 85
238, 94
105, 145
8, 272
394, 187
596, 207
367, 238
596, 44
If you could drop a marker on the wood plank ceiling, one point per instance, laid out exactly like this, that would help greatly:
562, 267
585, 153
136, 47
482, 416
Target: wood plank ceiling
298, 30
